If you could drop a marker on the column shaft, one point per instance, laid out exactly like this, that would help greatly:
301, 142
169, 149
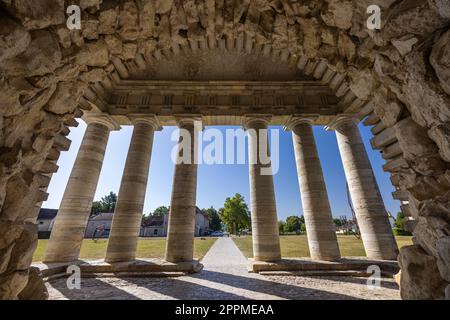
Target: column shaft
181, 228
265, 234
130, 203
320, 227
371, 214
70, 224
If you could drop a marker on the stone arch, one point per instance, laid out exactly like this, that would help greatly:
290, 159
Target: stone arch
396, 78
316, 69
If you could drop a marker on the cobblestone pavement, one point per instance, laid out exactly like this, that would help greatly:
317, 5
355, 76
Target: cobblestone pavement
225, 277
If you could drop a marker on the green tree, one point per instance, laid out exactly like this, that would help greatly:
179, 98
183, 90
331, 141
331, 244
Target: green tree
235, 214
109, 202
105, 205
160, 211
400, 221
281, 225
215, 224
293, 224
338, 222
302, 219
399, 225
144, 219
97, 208
303, 228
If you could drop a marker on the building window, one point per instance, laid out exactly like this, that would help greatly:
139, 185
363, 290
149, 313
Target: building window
155, 232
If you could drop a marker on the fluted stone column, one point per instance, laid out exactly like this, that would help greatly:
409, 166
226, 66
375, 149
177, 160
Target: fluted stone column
130, 203
181, 228
373, 220
73, 214
319, 223
265, 234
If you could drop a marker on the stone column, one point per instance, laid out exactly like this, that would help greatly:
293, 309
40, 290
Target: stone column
127, 218
265, 234
181, 228
320, 227
70, 224
373, 220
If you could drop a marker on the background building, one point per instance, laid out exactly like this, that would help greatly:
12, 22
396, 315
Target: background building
157, 226
100, 224
46, 219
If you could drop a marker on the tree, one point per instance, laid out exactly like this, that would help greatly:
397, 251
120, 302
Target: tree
109, 202
106, 204
303, 228
281, 225
235, 214
293, 224
338, 222
160, 211
97, 208
400, 221
215, 224
302, 219
144, 219
399, 225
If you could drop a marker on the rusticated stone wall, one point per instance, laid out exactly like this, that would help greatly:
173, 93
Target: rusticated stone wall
398, 77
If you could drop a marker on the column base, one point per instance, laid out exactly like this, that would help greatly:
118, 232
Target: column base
348, 266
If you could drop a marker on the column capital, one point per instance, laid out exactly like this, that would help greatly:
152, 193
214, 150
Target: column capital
149, 119
101, 118
248, 119
342, 119
295, 120
189, 119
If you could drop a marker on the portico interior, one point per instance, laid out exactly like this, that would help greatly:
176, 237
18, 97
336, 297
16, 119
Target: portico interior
219, 83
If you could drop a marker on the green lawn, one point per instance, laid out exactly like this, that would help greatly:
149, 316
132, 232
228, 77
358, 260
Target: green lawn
297, 246
147, 248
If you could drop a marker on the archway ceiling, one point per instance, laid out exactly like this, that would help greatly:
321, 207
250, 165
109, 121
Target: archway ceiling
221, 84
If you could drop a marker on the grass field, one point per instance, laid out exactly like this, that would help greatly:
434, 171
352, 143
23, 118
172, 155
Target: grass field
297, 246
147, 248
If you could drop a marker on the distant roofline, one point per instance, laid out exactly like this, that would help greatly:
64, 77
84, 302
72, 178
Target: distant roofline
47, 214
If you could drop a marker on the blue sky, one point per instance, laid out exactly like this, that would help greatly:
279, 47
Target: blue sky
216, 182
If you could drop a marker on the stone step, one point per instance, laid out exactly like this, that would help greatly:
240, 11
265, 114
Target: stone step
155, 267
360, 264
318, 273
119, 275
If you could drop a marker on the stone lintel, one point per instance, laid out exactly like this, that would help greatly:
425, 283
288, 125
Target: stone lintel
342, 119
101, 118
295, 120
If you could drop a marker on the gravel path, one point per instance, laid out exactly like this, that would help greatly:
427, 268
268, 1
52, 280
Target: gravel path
225, 277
